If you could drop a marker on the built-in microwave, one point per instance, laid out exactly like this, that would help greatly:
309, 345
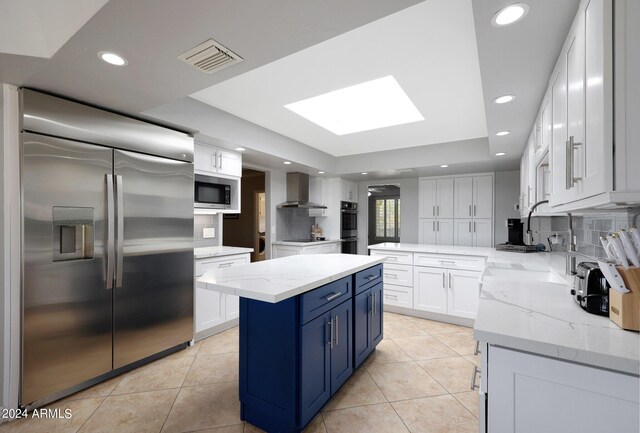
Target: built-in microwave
210, 194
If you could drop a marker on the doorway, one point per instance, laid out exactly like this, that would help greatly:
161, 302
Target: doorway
383, 214
247, 229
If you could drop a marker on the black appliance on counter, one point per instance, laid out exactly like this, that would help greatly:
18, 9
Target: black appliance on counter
516, 238
591, 289
349, 227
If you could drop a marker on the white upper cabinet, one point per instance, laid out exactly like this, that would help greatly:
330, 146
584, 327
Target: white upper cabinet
561, 188
578, 116
428, 198
212, 161
349, 190
463, 197
597, 163
482, 197
444, 207
319, 194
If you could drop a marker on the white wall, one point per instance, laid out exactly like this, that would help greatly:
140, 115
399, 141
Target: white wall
9, 247
408, 210
276, 189
507, 191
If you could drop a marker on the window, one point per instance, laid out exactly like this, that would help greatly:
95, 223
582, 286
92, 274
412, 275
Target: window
387, 217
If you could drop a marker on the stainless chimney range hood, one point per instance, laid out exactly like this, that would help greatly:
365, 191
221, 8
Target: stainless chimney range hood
298, 192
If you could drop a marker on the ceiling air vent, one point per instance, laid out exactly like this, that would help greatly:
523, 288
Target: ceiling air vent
210, 56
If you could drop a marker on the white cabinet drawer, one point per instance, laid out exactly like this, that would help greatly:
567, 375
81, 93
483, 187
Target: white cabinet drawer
398, 296
449, 261
204, 265
400, 257
398, 275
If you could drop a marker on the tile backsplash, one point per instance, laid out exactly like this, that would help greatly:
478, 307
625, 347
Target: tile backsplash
206, 221
587, 229
293, 223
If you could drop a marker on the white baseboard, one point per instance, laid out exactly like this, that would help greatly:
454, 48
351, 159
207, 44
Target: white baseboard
462, 321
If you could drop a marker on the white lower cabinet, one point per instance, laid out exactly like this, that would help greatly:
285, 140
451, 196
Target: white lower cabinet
445, 284
430, 289
527, 393
452, 292
214, 309
280, 250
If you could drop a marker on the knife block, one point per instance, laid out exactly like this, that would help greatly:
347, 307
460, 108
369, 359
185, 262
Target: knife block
624, 308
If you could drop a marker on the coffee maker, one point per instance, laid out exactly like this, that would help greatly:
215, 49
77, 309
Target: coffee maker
516, 231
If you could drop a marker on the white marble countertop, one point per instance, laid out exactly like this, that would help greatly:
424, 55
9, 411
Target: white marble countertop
206, 252
279, 279
525, 305
306, 244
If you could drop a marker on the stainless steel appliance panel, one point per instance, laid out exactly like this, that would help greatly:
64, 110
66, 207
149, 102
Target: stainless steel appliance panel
153, 293
67, 308
63, 118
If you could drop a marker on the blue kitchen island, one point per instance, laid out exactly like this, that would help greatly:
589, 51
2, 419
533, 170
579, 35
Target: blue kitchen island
306, 322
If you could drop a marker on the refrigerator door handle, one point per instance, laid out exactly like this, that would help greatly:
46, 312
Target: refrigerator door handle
120, 240
110, 232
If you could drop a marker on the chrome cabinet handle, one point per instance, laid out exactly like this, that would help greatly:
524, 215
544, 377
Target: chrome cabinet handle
438, 224
474, 210
447, 261
214, 160
110, 231
337, 331
476, 350
386, 295
444, 283
332, 296
434, 226
220, 158
371, 277
225, 265
474, 226
469, 226
474, 374
373, 312
438, 210
392, 258
392, 276
450, 285
120, 230
330, 342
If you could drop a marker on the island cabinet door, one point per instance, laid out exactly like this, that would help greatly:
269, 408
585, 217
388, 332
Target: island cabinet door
362, 326
376, 315
315, 365
342, 350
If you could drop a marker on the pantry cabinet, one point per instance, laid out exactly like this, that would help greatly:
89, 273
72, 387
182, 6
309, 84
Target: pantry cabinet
447, 204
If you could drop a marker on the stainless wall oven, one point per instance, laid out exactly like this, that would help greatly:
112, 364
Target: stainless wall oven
349, 227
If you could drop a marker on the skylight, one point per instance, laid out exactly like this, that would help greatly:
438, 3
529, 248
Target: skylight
371, 105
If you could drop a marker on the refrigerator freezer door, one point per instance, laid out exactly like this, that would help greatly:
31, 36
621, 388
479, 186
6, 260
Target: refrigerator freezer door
153, 294
66, 307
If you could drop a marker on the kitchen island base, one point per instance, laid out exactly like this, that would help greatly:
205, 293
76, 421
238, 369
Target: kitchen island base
295, 354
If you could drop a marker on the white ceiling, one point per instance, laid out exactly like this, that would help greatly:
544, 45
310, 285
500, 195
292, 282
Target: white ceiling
39, 28
429, 48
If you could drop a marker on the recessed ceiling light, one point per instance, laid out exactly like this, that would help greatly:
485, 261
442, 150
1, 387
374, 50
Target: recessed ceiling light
502, 133
112, 58
504, 99
371, 105
364, 172
444, 165
287, 162
500, 154
240, 149
321, 172
510, 14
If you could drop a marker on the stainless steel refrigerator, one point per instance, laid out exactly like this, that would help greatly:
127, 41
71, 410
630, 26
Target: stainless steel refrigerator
107, 278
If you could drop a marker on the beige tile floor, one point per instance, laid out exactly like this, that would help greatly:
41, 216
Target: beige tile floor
417, 380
